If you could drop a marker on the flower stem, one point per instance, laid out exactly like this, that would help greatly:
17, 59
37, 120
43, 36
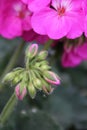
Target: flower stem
8, 109
48, 44
12, 62
14, 58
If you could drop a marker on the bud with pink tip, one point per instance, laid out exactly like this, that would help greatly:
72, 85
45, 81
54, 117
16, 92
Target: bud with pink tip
20, 95
52, 78
33, 49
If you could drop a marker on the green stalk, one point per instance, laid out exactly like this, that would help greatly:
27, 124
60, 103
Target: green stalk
13, 59
6, 112
8, 109
48, 44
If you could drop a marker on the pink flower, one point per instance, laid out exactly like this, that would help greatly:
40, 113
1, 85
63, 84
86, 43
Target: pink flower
58, 18
30, 36
14, 18
74, 56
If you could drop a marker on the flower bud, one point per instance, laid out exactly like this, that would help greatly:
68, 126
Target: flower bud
13, 76
8, 77
52, 78
44, 62
40, 63
42, 55
45, 67
20, 95
38, 84
32, 91
16, 80
37, 64
47, 91
32, 50
45, 83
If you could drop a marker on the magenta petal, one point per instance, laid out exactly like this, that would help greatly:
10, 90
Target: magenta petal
36, 5
29, 35
26, 23
38, 22
77, 25
85, 26
82, 51
25, 1
71, 59
33, 36
11, 27
47, 22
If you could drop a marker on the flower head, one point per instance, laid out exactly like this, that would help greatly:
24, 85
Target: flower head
59, 18
36, 75
75, 55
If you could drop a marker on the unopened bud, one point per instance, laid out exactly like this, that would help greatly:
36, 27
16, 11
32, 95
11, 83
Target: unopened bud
9, 77
44, 62
52, 78
20, 95
40, 63
33, 49
13, 76
32, 91
42, 55
15, 80
38, 84
45, 67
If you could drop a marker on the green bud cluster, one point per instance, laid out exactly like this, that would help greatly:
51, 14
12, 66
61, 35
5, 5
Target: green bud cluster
14, 76
35, 76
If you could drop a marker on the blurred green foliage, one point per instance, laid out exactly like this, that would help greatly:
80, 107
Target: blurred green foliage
64, 109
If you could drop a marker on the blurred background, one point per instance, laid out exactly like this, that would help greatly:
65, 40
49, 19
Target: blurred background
64, 109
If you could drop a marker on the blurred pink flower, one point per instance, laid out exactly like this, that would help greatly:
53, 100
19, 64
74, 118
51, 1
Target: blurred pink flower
74, 56
14, 18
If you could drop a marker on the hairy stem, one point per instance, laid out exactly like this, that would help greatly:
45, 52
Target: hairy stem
48, 44
6, 112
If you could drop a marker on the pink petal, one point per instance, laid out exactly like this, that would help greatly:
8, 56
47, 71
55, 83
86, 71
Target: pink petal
82, 51
11, 27
36, 5
26, 23
48, 23
77, 25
